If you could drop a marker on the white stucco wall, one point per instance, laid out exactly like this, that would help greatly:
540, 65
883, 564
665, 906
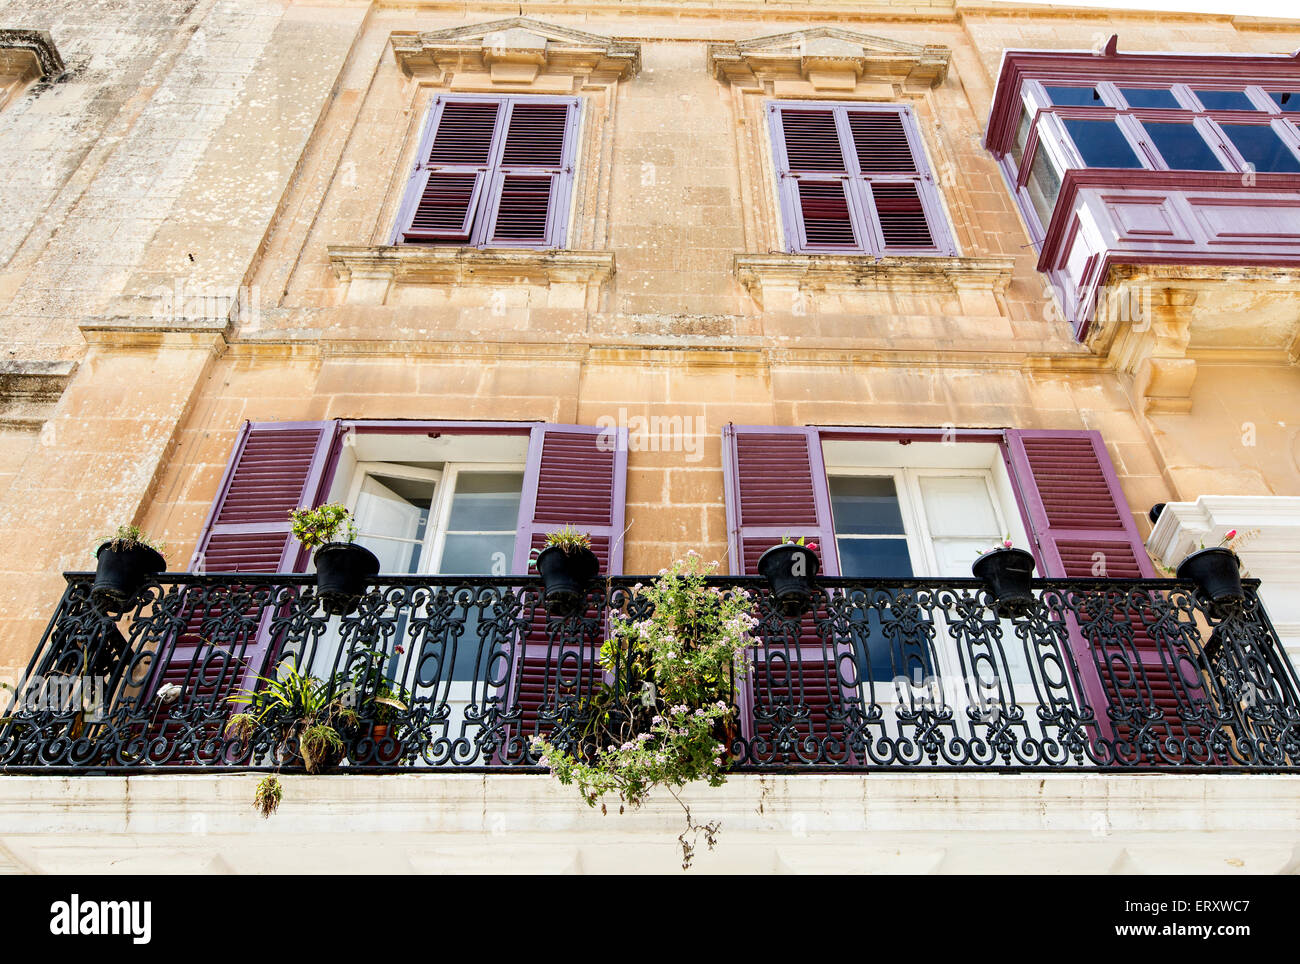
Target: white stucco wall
427, 823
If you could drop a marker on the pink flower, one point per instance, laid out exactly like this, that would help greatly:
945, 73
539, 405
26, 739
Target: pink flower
1006, 544
399, 649
1231, 535
812, 546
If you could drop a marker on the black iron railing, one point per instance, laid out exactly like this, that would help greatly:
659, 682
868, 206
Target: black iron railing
1112, 674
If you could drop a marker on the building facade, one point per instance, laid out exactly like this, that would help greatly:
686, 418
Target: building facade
906, 279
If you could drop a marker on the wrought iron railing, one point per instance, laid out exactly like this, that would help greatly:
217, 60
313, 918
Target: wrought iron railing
919, 673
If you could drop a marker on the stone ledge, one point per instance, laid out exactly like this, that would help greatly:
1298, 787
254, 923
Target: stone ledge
820, 271
378, 267
25, 52
29, 390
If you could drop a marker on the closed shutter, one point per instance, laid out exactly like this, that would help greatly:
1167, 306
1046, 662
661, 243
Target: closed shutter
493, 172
776, 486
275, 467
576, 476
853, 178
1083, 528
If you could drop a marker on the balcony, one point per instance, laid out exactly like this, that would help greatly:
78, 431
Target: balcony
922, 674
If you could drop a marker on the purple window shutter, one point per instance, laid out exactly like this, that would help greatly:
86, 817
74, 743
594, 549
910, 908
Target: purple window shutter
812, 181
576, 476
275, 467
533, 180
1083, 528
775, 485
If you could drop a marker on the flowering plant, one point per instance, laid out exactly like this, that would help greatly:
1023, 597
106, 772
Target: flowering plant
667, 719
327, 523
801, 541
1004, 544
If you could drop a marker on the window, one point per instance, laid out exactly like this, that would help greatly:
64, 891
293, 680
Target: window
1074, 96
492, 172
1155, 98
1101, 143
1286, 100
1224, 100
854, 178
1182, 146
1043, 185
1260, 147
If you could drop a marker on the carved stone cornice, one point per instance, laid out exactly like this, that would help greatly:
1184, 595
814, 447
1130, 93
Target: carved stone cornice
828, 58
514, 51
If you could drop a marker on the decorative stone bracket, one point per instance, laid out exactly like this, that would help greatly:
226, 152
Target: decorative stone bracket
828, 60
974, 279
25, 57
371, 272
514, 53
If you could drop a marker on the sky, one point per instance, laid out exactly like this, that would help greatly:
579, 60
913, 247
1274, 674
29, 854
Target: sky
1250, 8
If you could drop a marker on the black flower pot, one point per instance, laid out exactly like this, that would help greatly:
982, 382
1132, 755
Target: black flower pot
121, 573
1008, 574
566, 574
343, 569
1217, 574
789, 569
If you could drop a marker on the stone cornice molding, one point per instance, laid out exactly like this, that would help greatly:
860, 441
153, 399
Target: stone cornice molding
822, 271
828, 57
515, 50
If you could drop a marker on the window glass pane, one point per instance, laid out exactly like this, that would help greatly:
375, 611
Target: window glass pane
396, 557
1225, 100
1183, 147
485, 502
865, 505
883, 558
1260, 146
1161, 98
1288, 100
1022, 134
1101, 144
1074, 96
1043, 185
478, 554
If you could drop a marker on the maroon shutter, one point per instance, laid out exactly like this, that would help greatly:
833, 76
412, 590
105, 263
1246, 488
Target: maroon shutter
813, 180
534, 173
450, 177
776, 485
275, 467
894, 180
576, 476
1083, 528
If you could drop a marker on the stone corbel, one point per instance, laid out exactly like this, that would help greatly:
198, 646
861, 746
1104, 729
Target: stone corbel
1147, 329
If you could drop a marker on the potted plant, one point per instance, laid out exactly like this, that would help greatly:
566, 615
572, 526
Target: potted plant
789, 569
567, 566
381, 700
123, 563
665, 715
1216, 571
302, 714
1008, 573
343, 568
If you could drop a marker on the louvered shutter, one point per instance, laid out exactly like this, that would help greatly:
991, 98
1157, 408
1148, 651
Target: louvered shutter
775, 485
854, 178
576, 476
275, 467
493, 172
1083, 528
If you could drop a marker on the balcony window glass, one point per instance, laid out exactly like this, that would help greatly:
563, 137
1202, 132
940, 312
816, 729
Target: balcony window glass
1260, 146
1022, 134
480, 534
1182, 147
1225, 100
869, 529
1161, 98
1101, 143
1074, 96
1043, 185
1288, 100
